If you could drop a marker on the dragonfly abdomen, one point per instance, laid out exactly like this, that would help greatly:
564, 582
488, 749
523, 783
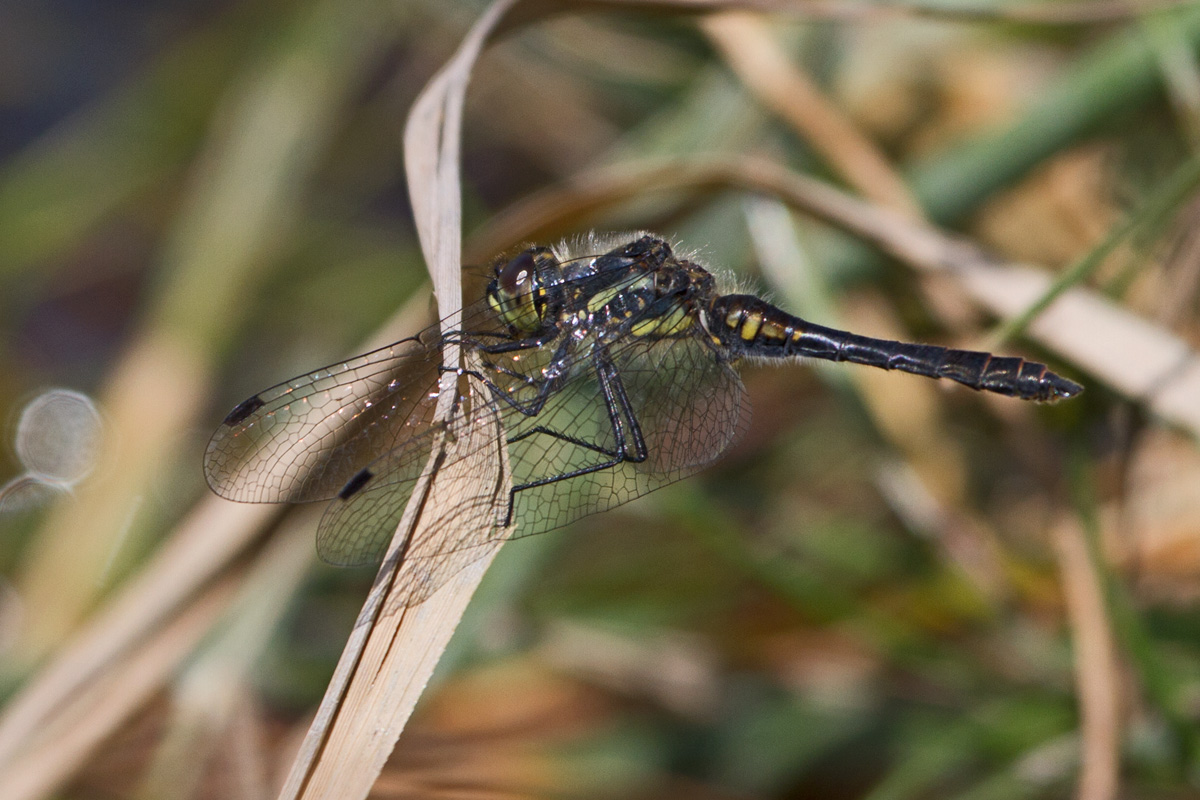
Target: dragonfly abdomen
749, 326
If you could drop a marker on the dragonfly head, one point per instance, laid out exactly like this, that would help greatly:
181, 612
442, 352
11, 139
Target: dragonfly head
518, 293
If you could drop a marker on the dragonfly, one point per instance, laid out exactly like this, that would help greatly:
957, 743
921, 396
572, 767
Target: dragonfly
612, 373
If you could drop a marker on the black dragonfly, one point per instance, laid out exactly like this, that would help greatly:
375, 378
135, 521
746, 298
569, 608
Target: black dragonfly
612, 374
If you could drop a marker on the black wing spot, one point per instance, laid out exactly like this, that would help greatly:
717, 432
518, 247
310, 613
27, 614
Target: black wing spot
243, 410
356, 483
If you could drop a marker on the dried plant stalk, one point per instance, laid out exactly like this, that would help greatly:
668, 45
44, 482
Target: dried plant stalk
55, 751
746, 43
390, 657
1096, 670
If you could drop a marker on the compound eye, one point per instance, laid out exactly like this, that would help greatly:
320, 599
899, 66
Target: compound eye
515, 279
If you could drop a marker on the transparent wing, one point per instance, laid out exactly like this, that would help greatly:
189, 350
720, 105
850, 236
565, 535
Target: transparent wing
358, 525
688, 403
690, 407
361, 432
304, 439
460, 516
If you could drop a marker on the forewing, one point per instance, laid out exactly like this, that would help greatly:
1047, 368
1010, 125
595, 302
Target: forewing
304, 439
689, 406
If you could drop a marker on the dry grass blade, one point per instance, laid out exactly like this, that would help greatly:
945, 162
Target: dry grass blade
242, 199
90, 680
56, 750
211, 693
1096, 671
760, 62
389, 658
203, 544
200, 548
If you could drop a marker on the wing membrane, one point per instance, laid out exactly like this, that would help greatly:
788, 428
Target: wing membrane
304, 439
359, 523
458, 524
689, 405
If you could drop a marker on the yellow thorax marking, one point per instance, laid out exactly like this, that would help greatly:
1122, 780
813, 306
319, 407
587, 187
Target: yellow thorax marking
679, 320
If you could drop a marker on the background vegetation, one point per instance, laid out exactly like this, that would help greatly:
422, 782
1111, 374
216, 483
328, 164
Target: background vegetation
890, 589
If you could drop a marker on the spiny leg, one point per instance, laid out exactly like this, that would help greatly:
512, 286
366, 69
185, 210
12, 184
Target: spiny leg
611, 453
620, 410
545, 388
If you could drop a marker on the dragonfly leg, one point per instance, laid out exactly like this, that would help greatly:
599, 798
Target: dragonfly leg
575, 473
630, 443
613, 453
529, 381
531, 343
556, 374
529, 408
616, 401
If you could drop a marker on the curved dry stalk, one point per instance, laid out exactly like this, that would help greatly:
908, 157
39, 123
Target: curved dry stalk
1140, 360
746, 44
390, 656
1096, 672
61, 745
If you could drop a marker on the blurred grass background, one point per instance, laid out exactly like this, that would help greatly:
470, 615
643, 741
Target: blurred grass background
868, 598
